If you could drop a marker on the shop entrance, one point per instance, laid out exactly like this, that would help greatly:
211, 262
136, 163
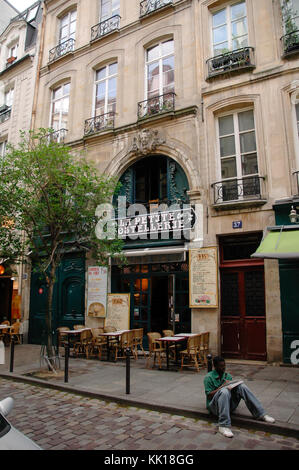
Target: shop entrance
6, 285
159, 295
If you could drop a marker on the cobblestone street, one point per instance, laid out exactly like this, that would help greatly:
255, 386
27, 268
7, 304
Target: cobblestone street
63, 421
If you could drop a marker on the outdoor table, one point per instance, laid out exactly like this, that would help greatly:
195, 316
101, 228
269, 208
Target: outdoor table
112, 334
170, 339
186, 335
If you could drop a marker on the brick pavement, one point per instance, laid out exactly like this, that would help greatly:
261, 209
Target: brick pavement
59, 420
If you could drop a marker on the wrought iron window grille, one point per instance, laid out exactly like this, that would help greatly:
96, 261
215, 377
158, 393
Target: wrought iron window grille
62, 49
149, 6
156, 105
290, 43
234, 60
99, 123
242, 189
105, 27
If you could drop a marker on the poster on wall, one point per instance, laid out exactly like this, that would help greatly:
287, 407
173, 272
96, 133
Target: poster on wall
97, 291
118, 311
203, 278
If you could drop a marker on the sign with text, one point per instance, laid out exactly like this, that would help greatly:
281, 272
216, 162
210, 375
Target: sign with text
203, 278
118, 311
97, 291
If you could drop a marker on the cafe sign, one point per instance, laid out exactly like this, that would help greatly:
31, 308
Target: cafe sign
203, 278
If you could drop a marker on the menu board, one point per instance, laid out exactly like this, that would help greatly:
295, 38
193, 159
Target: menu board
203, 278
97, 291
118, 311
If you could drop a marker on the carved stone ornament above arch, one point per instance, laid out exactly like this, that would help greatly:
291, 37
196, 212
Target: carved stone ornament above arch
294, 89
154, 142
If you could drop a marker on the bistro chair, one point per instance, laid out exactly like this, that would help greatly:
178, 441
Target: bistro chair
62, 337
126, 342
192, 353
82, 347
138, 341
14, 333
109, 329
98, 343
78, 327
155, 348
4, 334
168, 332
204, 347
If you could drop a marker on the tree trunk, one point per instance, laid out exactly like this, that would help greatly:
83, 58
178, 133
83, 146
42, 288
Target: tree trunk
49, 337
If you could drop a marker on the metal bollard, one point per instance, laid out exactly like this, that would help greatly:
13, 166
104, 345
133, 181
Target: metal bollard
128, 371
12, 354
210, 362
66, 363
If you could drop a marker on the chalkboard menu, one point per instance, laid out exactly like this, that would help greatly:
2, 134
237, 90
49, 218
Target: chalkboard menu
203, 278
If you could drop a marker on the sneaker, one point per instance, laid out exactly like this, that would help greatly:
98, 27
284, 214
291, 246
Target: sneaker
225, 431
268, 419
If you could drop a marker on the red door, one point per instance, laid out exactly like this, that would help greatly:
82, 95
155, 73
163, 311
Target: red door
243, 320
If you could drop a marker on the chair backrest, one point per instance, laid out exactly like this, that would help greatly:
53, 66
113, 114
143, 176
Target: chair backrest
151, 338
95, 332
109, 328
138, 334
168, 333
78, 327
15, 328
205, 339
5, 322
193, 343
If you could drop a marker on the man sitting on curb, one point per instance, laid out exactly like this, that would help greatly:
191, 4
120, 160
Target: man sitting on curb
222, 401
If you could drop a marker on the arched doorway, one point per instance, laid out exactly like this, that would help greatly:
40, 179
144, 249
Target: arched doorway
158, 285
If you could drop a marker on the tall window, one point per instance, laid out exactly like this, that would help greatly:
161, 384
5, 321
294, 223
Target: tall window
160, 69
13, 51
290, 12
8, 97
109, 8
230, 30
67, 28
106, 84
238, 154
60, 107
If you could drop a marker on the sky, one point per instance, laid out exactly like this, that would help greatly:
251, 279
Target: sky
21, 5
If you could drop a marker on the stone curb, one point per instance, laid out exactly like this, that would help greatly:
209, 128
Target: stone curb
285, 429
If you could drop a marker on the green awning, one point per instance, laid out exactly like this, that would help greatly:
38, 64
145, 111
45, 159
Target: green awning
279, 244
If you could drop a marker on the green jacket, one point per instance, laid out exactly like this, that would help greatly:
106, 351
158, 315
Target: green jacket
212, 382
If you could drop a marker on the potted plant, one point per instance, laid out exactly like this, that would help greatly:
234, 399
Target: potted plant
11, 59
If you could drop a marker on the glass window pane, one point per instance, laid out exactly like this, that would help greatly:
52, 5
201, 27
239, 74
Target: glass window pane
247, 142
64, 21
167, 47
239, 28
238, 10
73, 15
240, 43
297, 111
101, 74
249, 164
153, 53
246, 121
57, 93
153, 77
219, 18
220, 34
65, 105
113, 69
221, 48
228, 168
66, 89
227, 146
226, 125
100, 91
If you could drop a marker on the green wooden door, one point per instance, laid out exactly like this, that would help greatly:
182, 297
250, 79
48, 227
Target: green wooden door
68, 298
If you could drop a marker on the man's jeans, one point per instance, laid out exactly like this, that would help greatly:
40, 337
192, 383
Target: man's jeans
226, 401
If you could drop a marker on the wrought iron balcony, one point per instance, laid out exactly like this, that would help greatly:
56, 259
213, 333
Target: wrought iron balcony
57, 136
244, 189
105, 27
296, 177
62, 49
238, 59
149, 6
99, 123
156, 105
290, 43
4, 116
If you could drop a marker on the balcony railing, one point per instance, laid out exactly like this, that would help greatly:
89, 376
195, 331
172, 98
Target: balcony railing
156, 105
4, 116
149, 6
296, 177
99, 123
57, 136
62, 49
235, 60
290, 43
244, 189
105, 27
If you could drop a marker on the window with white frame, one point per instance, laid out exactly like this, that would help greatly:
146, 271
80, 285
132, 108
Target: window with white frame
109, 8
238, 155
3, 148
160, 69
60, 107
67, 28
229, 28
105, 90
13, 51
8, 97
290, 13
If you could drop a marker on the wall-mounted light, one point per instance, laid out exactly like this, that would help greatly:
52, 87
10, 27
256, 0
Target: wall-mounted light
294, 217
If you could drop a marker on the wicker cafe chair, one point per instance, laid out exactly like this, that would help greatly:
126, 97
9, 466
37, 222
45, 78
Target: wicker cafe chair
192, 353
14, 333
78, 327
126, 342
138, 341
82, 347
168, 332
98, 343
204, 347
155, 349
4, 334
62, 337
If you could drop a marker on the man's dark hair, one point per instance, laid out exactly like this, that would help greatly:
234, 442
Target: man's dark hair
217, 360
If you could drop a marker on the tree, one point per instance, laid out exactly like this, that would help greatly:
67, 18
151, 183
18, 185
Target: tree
48, 201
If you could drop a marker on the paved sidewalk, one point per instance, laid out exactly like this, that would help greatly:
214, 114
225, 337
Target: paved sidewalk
175, 392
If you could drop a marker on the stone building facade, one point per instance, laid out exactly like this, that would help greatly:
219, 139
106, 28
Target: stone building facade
206, 99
